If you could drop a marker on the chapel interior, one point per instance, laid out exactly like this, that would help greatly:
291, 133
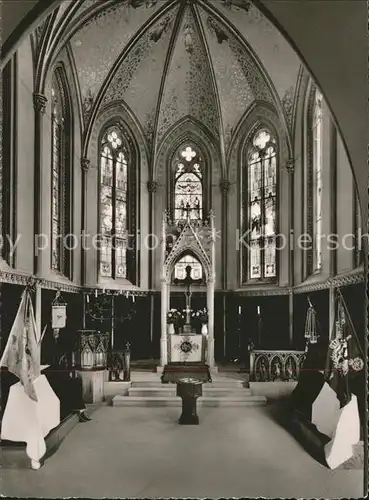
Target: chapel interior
127, 124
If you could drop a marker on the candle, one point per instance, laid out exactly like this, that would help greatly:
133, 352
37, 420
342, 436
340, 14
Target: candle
239, 309
133, 298
258, 310
87, 299
103, 290
95, 293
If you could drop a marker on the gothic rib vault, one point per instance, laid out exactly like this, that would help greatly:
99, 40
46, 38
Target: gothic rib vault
172, 59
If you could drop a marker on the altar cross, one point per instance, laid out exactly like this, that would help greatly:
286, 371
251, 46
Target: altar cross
188, 281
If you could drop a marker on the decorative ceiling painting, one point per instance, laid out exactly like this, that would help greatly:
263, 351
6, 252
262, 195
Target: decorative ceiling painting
188, 88
171, 59
98, 44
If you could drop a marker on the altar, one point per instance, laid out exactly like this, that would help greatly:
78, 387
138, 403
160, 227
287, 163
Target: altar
186, 348
181, 341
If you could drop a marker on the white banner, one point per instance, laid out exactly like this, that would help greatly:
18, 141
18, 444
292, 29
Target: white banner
59, 316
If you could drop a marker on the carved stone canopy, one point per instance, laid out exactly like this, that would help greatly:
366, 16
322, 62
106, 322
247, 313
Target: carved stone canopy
190, 240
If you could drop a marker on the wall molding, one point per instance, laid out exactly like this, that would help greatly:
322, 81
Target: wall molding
353, 278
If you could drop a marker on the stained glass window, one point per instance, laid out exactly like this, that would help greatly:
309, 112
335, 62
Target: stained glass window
317, 181
261, 205
113, 205
188, 185
60, 129
180, 268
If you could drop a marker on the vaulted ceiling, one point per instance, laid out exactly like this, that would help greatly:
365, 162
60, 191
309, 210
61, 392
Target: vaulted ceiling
169, 59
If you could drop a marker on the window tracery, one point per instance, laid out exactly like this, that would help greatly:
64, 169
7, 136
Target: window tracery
188, 184
317, 181
260, 201
116, 244
182, 263
61, 175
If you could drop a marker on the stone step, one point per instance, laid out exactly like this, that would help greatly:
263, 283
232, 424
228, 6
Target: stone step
218, 384
172, 391
204, 401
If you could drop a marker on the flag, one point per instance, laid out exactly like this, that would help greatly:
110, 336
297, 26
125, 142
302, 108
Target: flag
345, 361
21, 355
326, 409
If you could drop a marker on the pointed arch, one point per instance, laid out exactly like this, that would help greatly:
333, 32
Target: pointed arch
117, 214
191, 130
188, 257
313, 177
61, 172
187, 249
259, 178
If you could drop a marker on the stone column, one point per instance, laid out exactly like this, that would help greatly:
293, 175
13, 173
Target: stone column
290, 317
164, 299
151, 187
290, 168
210, 306
163, 339
224, 186
85, 164
210, 296
39, 104
333, 191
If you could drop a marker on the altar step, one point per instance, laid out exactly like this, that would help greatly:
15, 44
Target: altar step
221, 392
229, 384
204, 401
171, 391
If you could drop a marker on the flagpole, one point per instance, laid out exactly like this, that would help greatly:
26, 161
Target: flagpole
38, 306
332, 311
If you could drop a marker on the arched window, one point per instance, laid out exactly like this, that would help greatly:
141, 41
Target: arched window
260, 202
117, 195
61, 173
317, 181
188, 184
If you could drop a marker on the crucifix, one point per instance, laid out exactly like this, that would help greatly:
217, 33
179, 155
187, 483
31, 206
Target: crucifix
188, 281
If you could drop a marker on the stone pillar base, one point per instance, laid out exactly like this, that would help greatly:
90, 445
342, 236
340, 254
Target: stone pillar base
92, 385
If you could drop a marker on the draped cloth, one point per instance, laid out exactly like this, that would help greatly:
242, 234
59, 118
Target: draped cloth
22, 351
29, 421
32, 409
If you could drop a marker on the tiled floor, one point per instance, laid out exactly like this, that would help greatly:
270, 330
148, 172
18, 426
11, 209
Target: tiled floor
141, 452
